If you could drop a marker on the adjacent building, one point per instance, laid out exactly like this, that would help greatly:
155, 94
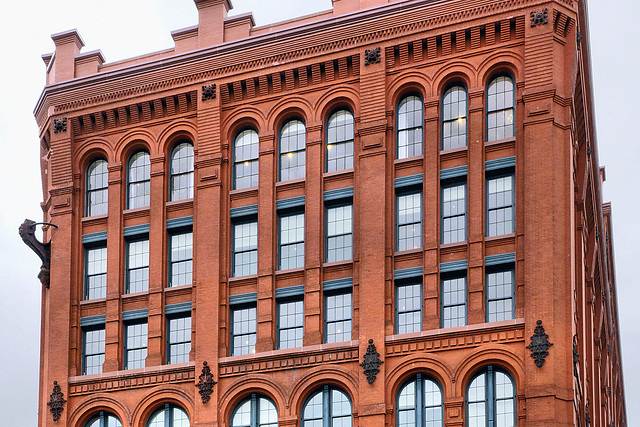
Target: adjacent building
388, 213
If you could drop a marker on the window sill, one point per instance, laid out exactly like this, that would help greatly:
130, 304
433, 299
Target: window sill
453, 245
93, 301
289, 352
500, 237
454, 150
177, 288
408, 252
458, 330
243, 190
337, 263
160, 369
290, 182
95, 218
289, 271
408, 159
337, 173
500, 141
135, 295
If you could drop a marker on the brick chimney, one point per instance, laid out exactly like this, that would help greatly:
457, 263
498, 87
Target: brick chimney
211, 16
68, 45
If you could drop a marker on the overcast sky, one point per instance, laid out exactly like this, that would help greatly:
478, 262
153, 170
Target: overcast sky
126, 28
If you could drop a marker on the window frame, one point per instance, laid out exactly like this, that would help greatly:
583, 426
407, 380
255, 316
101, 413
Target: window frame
170, 266
406, 283
93, 328
89, 191
128, 269
490, 401
327, 413
500, 268
103, 417
249, 219
291, 213
487, 111
326, 296
460, 274
234, 177
402, 192
254, 398
419, 406
346, 142
146, 179
279, 328
191, 172
421, 127
333, 205
302, 150
169, 318
502, 173
168, 414
87, 248
449, 87
233, 309
127, 349
450, 183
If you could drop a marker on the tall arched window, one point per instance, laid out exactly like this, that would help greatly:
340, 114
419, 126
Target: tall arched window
340, 141
104, 419
181, 171
454, 118
327, 407
292, 150
500, 108
491, 399
255, 411
420, 404
139, 180
97, 188
409, 124
169, 416
245, 159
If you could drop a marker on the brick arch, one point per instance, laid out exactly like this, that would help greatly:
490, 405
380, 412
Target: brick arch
241, 118
334, 99
335, 376
403, 84
98, 149
133, 141
425, 364
241, 388
175, 132
160, 395
288, 108
90, 405
504, 358
498, 63
454, 73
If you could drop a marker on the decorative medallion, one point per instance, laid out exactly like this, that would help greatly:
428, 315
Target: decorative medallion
371, 56
60, 125
56, 402
205, 383
539, 344
208, 92
43, 250
539, 17
371, 362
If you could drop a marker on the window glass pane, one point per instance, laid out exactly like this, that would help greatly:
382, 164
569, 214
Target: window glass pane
500, 109
409, 221
139, 176
181, 254
243, 331
454, 118
245, 248
96, 273
291, 324
340, 141
97, 191
242, 415
138, 266
409, 125
268, 414
454, 209
292, 150
500, 288
179, 335
409, 308
339, 233
135, 345
454, 301
500, 196
246, 159
182, 172
291, 241
338, 311
93, 351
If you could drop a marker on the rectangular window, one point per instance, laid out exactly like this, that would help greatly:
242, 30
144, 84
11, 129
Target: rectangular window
180, 259
95, 282
339, 222
500, 202
338, 313
245, 248
178, 339
135, 350
290, 323
454, 301
243, 330
92, 351
500, 295
408, 308
291, 249
137, 266
454, 213
409, 221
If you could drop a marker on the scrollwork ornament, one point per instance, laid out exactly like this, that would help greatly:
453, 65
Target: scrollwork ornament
539, 344
539, 17
56, 401
208, 92
60, 125
371, 362
371, 56
205, 383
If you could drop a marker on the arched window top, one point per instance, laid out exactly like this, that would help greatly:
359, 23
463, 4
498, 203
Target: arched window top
139, 180
104, 419
500, 108
327, 406
491, 399
255, 411
409, 127
169, 416
245, 159
419, 403
454, 117
340, 141
96, 188
292, 150
181, 172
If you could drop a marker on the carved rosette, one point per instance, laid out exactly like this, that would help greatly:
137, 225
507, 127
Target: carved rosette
205, 383
60, 125
371, 56
371, 362
539, 17
208, 92
56, 401
539, 345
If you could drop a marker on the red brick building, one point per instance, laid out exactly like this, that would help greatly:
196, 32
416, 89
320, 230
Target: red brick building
388, 213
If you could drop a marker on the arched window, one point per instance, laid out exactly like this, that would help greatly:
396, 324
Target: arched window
169, 416
139, 180
97, 191
245, 159
500, 108
491, 399
340, 141
409, 126
292, 150
327, 407
420, 404
181, 171
255, 411
104, 419
454, 118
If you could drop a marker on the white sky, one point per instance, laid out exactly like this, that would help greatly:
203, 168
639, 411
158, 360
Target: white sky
125, 28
